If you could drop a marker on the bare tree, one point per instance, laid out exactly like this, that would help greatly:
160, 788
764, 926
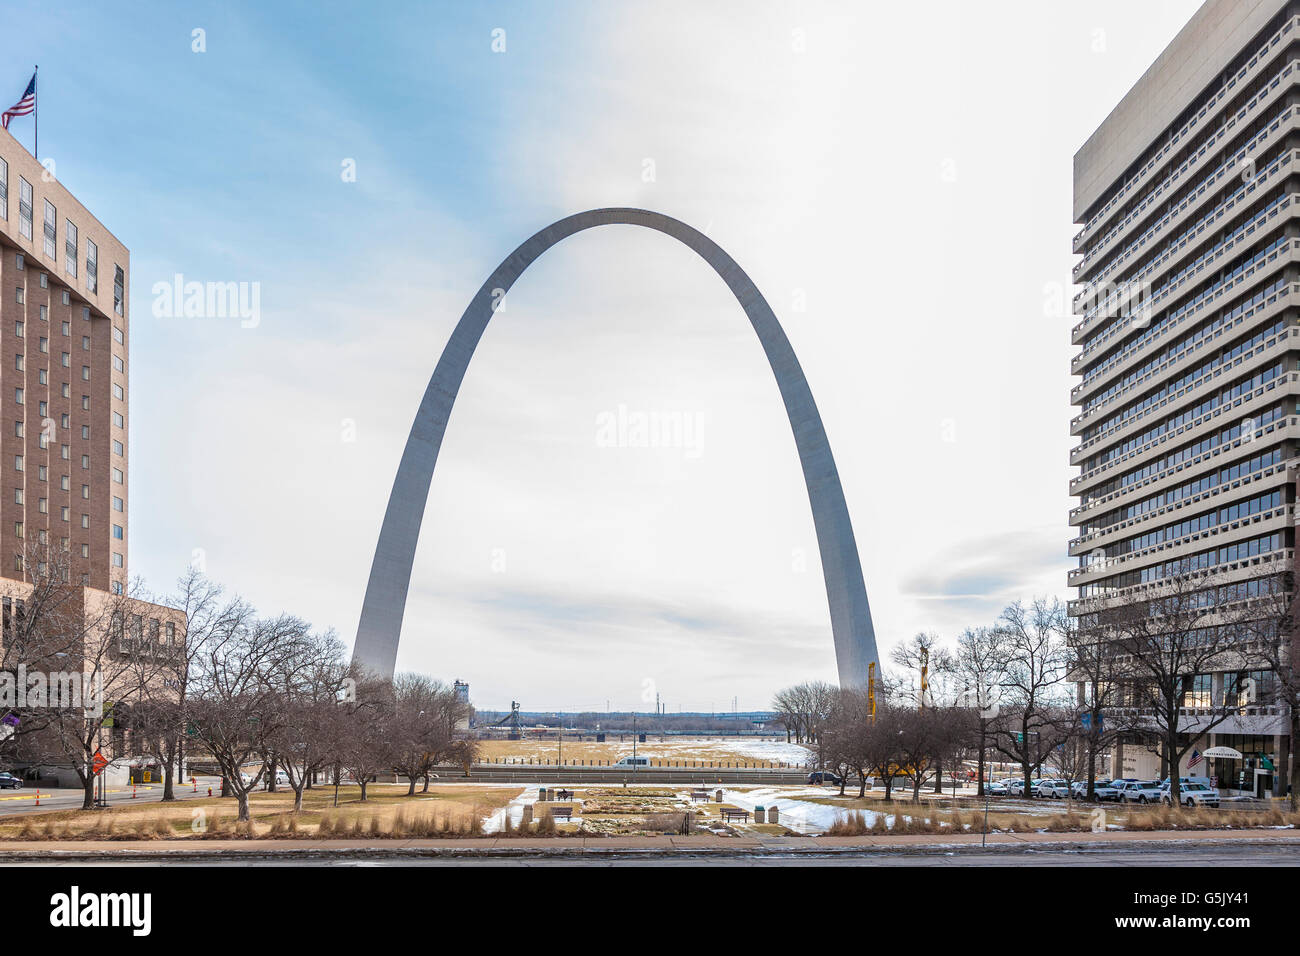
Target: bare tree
423, 732
1093, 667
92, 638
235, 703
209, 617
1036, 660
980, 665
365, 744
882, 744
1184, 624
805, 709
310, 685
1275, 633
845, 738
930, 671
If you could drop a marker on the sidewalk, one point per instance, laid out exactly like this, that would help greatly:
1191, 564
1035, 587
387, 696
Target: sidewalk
36, 850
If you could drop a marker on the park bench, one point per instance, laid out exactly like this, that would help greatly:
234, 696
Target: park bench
700, 796
563, 794
729, 815
562, 812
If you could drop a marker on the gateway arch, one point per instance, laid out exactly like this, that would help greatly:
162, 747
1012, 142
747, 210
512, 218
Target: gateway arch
390, 572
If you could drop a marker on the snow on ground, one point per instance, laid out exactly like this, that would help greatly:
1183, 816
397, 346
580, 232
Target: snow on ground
774, 750
801, 816
514, 810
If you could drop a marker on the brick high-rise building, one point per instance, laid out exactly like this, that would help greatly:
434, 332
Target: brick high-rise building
64, 369
64, 282
1188, 435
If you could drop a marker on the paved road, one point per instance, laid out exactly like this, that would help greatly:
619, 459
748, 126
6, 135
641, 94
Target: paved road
1200, 853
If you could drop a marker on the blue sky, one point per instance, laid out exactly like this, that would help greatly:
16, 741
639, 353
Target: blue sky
898, 184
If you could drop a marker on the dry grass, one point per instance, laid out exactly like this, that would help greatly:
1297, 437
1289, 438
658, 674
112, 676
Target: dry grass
447, 810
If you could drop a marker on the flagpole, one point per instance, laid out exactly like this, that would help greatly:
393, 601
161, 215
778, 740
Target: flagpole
36, 113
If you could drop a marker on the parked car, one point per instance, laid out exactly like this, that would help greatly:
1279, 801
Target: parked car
1141, 791
1111, 792
1054, 789
1184, 781
1079, 789
9, 782
996, 789
824, 777
1016, 787
1193, 795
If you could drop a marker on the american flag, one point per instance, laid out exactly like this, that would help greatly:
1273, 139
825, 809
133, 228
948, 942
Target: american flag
24, 106
1196, 758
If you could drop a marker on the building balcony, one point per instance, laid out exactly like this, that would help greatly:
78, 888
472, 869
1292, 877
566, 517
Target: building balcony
1194, 308
1232, 572
1262, 356
1281, 342
1251, 526
1256, 271
1218, 496
1212, 178
1262, 60
1220, 456
1197, 220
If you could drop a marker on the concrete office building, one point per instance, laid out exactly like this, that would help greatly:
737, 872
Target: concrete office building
64, 337
1188, 195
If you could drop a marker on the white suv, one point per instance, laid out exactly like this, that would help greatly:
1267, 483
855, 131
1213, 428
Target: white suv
1140, 791
1056, 789
1194, 795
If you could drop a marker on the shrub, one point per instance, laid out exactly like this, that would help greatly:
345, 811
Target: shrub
854, 824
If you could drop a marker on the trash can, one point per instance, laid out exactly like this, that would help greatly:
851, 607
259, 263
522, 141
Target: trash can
759, 815
541, 795
717, 797
773, 815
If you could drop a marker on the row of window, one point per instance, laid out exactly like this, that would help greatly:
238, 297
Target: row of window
1251, 93
1200, 522
49, 230
1194, 228
19, 499
1184, 344
20, 428
1227, 356
129, 631
20, 531
1189, 307
1277, 286
1250, 148
1195, 562
1225, 397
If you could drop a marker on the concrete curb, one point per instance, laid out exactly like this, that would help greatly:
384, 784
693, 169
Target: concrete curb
308, 850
